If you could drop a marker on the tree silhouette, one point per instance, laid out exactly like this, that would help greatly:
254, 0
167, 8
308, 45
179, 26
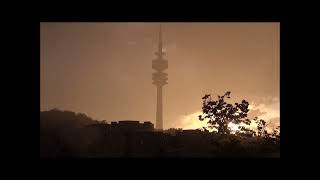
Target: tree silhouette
220, 114
261, 127
276, 134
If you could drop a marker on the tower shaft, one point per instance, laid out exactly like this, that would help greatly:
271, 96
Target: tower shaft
159, 121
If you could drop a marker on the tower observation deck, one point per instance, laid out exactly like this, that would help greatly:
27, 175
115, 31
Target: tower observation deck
159, 79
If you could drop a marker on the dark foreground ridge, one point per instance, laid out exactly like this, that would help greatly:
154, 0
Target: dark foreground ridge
68, 134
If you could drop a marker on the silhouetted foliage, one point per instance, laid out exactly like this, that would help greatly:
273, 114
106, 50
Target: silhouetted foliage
261, 127
220, 113
61, 132
275, 134
244, 140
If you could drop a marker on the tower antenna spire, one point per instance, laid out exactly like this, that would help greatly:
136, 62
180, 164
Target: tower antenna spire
160, 40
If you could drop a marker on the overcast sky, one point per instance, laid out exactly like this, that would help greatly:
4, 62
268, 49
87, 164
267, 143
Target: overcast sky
104, 69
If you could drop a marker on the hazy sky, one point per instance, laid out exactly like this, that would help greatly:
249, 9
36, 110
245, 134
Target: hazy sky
104, 69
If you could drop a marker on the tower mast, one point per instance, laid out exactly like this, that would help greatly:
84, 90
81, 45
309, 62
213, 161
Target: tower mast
159, 79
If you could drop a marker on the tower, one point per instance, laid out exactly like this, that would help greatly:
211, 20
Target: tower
159, 79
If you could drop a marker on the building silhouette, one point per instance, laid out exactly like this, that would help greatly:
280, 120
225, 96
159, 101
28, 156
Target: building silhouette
140, 139
159, 80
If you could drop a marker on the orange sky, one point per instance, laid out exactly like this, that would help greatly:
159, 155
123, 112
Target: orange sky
104, 69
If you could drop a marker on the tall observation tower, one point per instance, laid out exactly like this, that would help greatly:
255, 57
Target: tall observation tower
159, 79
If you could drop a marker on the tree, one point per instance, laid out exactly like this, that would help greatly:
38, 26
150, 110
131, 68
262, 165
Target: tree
276, 134
261, 127
243, 131
220, 114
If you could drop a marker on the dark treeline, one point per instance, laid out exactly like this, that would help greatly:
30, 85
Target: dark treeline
69, 134
62, 132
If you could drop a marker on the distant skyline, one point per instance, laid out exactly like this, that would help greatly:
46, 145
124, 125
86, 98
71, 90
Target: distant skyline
104, 69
